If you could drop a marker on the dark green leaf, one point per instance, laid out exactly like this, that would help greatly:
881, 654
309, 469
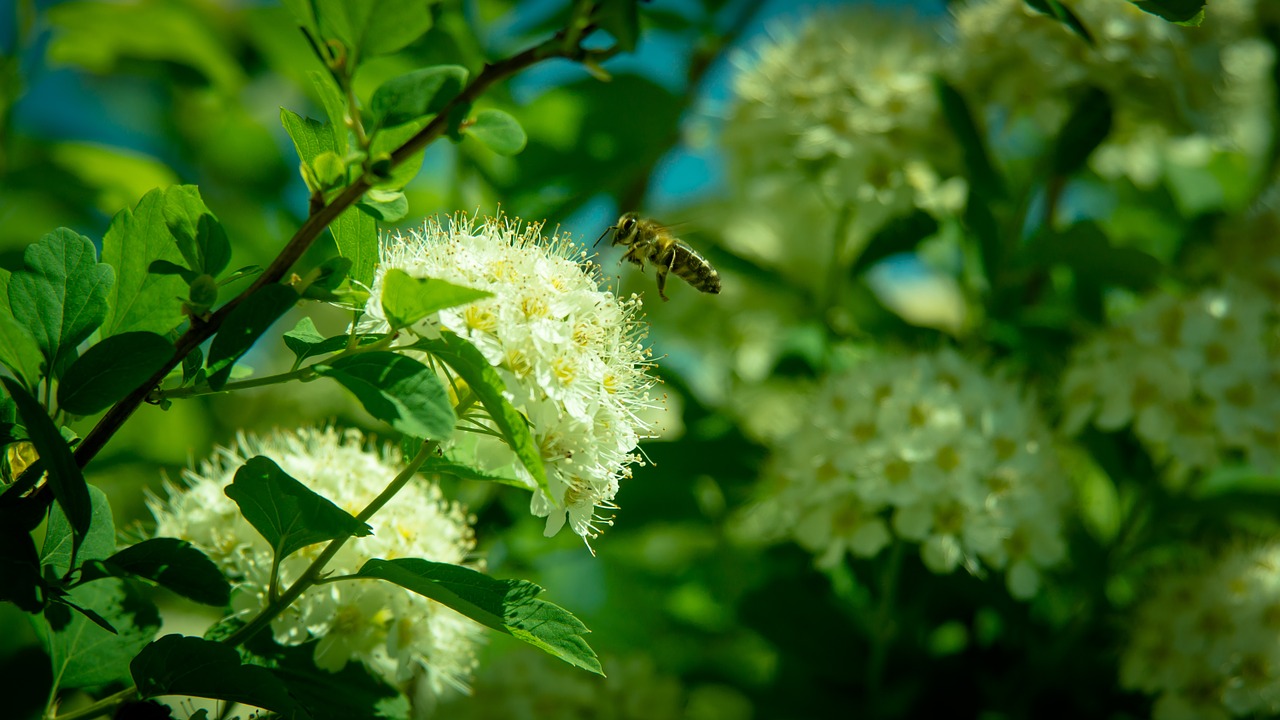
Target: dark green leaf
508, 606
60, 295
287, 513
498, 131
1063, 14
1085, 248
1084, 131
177, 665
899, 235
65, 478
20, 579
171, 563
985, 180
243, 326
621, 19
982, 224
323, 282
416, 94
192, 365
352, 692
356, 234
485, 382
397, 390
85, 655
141, 299
106, 372
407, 299
375, 27
385, 205
200, 237
98, 543
164, 267
19, 351
304, 341
1183, 12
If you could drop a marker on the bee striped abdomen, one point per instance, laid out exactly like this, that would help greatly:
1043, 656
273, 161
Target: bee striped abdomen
691, 267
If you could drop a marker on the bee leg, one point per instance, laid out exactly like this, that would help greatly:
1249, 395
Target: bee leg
662, 283
633, 257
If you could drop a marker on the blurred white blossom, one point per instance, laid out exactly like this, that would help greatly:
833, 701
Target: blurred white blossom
837, 113
927, 448
571, 354
415, 643
1198, 378
1206, 640
527, 685
1178, 92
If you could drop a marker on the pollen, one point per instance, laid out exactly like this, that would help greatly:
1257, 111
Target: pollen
480, 318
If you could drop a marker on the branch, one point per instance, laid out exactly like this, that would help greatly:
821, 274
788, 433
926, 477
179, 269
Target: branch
307, 234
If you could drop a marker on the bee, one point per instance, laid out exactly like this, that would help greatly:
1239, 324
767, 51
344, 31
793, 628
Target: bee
647, 239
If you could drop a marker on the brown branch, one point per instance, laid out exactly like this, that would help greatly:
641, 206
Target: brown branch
302, 240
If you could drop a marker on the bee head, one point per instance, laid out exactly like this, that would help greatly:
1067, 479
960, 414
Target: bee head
623, 230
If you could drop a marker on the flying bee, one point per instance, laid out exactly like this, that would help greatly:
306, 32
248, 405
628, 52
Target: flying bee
647, 239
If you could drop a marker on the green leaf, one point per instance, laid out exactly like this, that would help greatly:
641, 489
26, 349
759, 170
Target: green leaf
981, 222
69, 488
1086, 128
446, 466
60, 295
177, 665
304, 341
4, 292
324, 280
985, 180
416, 94
1087, 250
335, 106
98, 543
19, 351
1182, 12
352, 692
141, 300
243, 326
508, 606
386, 141
1063, 14
20, 580
621, 19
329, 169
168, 562
487, 385
398, 390
108, 371
375, 27
901, 234
356, 234
385, 205
497, 131
83, 654
407, 299
287, 513
199, 236
310, 137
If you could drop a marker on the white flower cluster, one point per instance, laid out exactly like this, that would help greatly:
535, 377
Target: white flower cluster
844, 103
528, 685
933, 450
1177, 91
1207, 640
1197, 378
415, 643
572, 355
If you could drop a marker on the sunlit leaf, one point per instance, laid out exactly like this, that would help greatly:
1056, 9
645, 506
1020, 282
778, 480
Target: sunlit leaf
141, 300
415, 94
407, 299
498, 131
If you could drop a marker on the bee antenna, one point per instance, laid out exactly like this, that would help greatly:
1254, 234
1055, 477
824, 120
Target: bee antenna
606, 232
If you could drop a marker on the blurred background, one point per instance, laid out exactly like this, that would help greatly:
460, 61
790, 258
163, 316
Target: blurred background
811, 153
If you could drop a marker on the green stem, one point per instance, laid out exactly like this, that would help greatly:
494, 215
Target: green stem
883, 631
312, 574
99, 708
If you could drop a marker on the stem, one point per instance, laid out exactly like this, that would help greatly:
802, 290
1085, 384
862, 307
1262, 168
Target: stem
312, 574
302, 240
188, 392
99, 708
883, 631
